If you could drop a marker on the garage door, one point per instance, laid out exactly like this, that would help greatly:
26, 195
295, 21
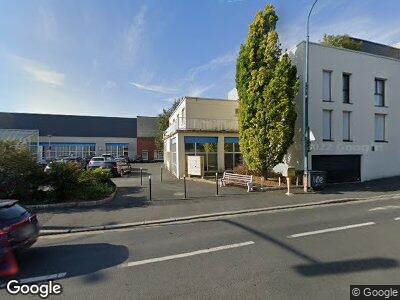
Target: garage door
339, 168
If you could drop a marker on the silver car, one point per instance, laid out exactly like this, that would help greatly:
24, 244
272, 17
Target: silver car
96, 162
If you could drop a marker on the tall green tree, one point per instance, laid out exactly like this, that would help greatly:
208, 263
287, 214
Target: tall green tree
267, 84
163, 123
341, 41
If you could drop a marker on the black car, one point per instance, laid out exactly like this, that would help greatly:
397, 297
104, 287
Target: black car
19, 224
110, 165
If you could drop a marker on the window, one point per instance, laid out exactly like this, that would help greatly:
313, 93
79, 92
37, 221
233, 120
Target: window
346, 88
380, 128
206, 147
327, 125
346, 126
145, 155
232, 155
379, 92
326, 86
117, 150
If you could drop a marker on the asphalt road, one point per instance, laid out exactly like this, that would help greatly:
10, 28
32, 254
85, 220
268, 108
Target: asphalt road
299, 254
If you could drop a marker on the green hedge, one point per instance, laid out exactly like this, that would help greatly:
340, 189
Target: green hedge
23, 179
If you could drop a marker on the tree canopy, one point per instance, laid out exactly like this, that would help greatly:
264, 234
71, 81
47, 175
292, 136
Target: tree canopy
163, 122
341, 41
267, 83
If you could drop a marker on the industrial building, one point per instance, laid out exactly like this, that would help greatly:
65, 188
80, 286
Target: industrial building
86, 136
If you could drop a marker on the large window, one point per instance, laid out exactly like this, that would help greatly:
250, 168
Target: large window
327, 125
346, 126
380, 132
117, 150
346, 88
326, 86
203, 146
379, 92
232, 155
60, 150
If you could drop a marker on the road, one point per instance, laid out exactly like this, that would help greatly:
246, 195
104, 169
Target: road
298, 254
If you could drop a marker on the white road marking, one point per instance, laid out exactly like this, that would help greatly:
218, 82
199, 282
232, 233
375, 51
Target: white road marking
397, 219
39, 279
182, 255
331, 229
384, 207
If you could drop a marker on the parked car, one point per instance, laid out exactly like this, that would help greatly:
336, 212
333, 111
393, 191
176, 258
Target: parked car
8, 263
108, 156
19, 224
112, 166
103, 163
95, 162
123, 165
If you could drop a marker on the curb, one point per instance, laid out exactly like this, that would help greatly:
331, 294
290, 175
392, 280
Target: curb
214, 215
74, 204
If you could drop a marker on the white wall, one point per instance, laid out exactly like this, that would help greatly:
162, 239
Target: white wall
364, 68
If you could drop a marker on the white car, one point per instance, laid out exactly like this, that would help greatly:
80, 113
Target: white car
108, 156
96, 162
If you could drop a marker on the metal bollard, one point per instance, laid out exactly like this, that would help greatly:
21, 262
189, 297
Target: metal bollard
141, 176
150, 188
184, 186
279, 181
297, 180
161, 173
216, 181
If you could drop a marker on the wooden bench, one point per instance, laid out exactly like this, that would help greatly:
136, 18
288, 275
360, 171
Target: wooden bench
237, 179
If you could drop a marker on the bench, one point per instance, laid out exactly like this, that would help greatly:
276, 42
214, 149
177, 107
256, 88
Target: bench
237, 179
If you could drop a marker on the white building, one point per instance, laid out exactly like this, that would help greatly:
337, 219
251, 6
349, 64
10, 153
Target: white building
354, 114
353, 111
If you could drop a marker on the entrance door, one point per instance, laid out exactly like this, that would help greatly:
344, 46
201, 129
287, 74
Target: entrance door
339, 168
145, 155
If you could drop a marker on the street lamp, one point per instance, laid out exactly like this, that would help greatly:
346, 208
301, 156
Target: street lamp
305, 108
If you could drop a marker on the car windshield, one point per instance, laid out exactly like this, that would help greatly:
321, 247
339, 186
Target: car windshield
97, 159
11, 212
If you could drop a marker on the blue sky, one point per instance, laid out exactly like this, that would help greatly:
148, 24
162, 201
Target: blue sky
128, 58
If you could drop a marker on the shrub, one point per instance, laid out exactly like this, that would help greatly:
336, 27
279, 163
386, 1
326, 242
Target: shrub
63, 179
20, 175
91, 176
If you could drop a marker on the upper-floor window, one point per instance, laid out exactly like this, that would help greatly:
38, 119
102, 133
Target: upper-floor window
380, 128
327, 125
379, 92
326, 86
346, 88
346, 126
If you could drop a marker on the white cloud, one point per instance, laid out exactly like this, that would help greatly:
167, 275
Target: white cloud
213, 64
155, 88
198, 91
133, 34
39, 71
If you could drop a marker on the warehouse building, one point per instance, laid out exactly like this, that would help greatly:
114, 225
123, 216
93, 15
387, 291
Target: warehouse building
83, 136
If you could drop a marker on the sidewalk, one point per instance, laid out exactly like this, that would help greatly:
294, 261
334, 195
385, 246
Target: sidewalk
131, 201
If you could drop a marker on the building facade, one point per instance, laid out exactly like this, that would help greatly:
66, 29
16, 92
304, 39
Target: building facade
353, 118
147, 130
203, 127
83, 136
353, 112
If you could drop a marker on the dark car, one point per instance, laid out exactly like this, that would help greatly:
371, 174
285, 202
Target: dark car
20, 225
112, 166
107, 165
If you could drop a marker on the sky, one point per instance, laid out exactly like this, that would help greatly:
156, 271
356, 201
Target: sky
129, 58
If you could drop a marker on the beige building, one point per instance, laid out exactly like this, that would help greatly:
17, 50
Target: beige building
204, 127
